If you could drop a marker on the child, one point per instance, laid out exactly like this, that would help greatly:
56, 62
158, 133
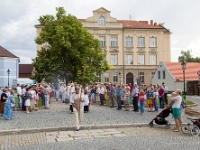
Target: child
142, 99
86, 103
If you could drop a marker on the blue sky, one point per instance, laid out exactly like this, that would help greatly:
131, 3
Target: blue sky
18, 17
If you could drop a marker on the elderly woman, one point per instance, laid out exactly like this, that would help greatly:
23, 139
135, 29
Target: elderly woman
176, 109
4, 97
77, 103
8, 110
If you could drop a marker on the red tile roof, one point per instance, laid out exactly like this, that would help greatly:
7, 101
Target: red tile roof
5, 53
190, 72
25, 68
136, 24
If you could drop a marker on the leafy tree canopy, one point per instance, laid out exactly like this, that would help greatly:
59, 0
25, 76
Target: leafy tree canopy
188, 57
67, 46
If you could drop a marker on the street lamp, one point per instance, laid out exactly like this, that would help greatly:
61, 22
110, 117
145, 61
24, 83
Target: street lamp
8, 71
183, 65
119, 77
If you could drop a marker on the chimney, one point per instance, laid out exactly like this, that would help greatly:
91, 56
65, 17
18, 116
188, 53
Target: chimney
151, 22
155, 24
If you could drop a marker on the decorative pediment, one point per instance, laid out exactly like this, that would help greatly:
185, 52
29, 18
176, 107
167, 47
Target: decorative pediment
141, 50
101, 10
129, 50
153, 50
114, 49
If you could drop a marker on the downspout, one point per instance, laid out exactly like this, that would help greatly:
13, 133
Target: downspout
123, 54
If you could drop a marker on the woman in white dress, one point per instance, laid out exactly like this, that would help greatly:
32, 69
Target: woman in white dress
27, 100
63, 90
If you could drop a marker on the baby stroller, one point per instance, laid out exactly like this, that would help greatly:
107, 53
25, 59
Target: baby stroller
160, 118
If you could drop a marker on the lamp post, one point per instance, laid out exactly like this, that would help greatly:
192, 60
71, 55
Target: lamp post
119, 77
138, 75
8, 71
183, 65
84, 69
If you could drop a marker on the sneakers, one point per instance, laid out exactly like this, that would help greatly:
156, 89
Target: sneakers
28, 112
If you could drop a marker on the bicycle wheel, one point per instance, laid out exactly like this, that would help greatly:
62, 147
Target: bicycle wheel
195, 131
185, 129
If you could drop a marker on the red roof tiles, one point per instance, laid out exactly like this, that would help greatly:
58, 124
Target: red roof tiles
190, 72
5, 53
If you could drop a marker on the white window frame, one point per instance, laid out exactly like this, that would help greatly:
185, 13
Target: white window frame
163, 74
152, 74
153, 59
153, 42
113, 42
98, 75
141, 42
102, 41
106, 76
115, 77
129, 41
141, 59
114, 59
102, 20
129, 59
142, 77
159, 75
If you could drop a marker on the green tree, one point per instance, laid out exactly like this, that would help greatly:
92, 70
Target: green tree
69, 46
188, 57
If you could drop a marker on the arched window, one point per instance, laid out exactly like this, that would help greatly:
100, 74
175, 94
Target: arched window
102, 20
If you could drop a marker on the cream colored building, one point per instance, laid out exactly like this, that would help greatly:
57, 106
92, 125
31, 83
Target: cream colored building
134, 48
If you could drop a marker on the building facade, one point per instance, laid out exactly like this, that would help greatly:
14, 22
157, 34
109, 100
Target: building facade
8, 61
171, 74
133, 48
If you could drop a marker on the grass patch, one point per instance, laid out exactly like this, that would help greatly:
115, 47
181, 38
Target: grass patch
189, 102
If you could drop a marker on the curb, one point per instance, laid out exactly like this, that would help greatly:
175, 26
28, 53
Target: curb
193, 105
53, 129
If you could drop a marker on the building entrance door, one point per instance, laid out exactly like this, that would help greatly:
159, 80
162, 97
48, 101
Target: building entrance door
129, 78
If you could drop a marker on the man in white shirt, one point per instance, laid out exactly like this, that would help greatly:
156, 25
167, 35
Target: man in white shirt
135, 98
19, 93
77, 103
166, 92
101, 94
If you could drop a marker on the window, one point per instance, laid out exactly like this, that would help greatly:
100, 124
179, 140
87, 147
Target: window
114, 59
99, 77
142, 77
152, 74
140, 42
158, 74
163, 73
129, 59
152, 42
102, 41
129, 42
153, 60
106, 75
141, 59
115, 77
113, 41
102, 20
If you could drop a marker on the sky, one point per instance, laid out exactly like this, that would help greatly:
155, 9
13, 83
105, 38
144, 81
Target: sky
18, 17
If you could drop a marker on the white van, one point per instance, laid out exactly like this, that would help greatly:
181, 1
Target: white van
22, 81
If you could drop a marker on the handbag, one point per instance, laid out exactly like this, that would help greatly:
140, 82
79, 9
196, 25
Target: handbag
12, 105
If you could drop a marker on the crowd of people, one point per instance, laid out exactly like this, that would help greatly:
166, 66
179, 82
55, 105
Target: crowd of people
79, 98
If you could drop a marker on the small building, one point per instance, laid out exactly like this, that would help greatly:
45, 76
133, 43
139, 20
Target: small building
25, 70
8, 61
171, 74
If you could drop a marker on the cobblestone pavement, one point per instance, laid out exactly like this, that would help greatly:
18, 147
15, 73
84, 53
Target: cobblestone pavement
138, 138
59, 116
